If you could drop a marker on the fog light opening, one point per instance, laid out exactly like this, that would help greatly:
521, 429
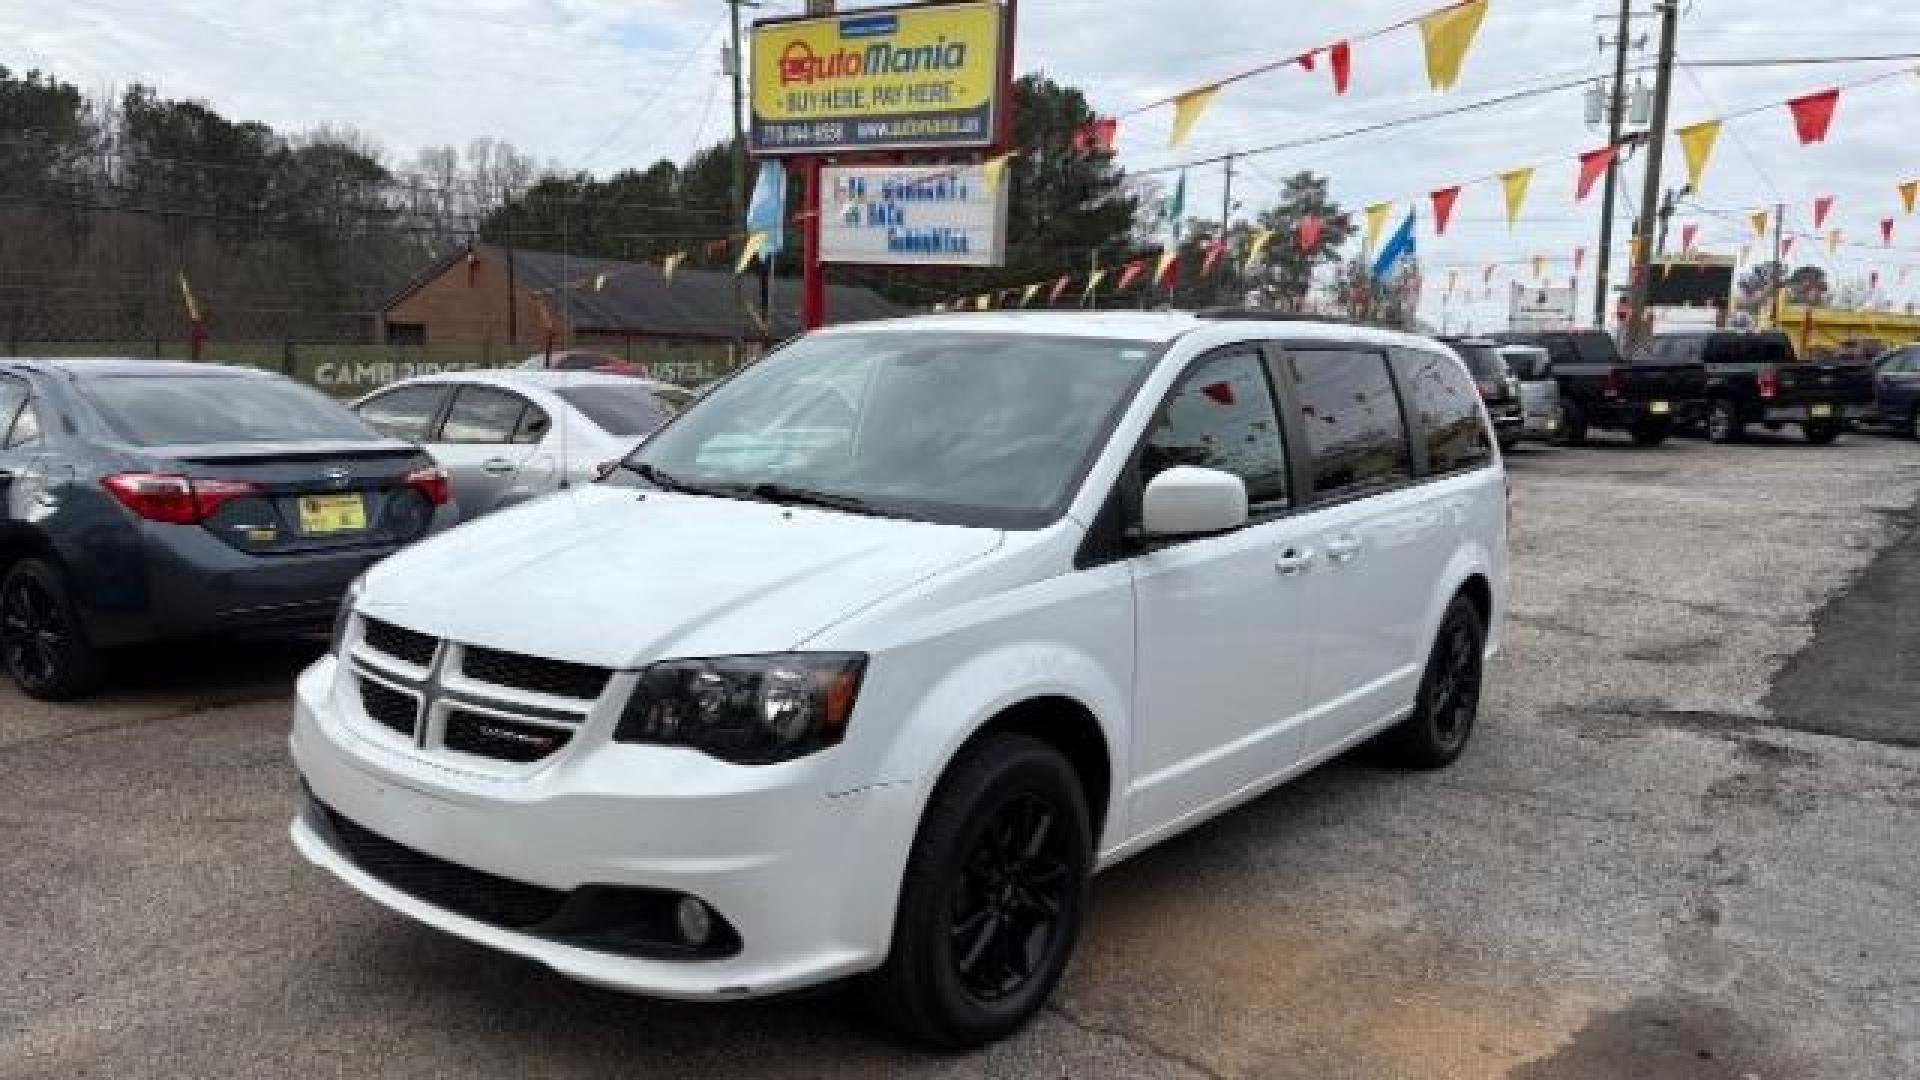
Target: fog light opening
693, 921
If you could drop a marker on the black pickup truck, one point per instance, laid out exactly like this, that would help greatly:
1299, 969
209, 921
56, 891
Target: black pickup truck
1756, 379
1599, 389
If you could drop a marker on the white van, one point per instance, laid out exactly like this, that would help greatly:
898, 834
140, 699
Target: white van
877, 698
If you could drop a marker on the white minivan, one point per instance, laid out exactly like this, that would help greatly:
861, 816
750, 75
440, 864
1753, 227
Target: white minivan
766, 709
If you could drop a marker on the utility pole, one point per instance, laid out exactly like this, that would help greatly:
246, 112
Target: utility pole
1666, 218
1656, 149
1616, 117
1779, 261
1226, 214
739, 183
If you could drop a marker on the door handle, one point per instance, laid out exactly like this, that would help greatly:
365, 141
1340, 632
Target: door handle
1294, 561
1343, 550
497, 466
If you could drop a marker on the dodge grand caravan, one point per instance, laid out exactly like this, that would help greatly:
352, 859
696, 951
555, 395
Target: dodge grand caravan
877, 701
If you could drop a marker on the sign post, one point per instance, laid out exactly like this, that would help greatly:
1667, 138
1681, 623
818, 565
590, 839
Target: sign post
919, 77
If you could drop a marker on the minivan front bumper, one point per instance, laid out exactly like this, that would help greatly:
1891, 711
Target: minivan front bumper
806, 880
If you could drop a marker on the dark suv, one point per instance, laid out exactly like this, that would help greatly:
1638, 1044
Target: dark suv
1498, 388
147, 500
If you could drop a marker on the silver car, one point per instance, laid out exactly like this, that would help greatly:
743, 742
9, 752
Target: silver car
511, 435
1539, 391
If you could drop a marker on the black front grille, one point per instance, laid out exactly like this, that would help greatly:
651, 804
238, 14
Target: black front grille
399, 642
389, 707
537, 674
505, 740
494, 900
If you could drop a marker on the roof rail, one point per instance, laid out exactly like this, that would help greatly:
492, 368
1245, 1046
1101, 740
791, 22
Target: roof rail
1230, 314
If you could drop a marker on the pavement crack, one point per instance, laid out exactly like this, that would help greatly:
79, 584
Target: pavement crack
1134, 1039
184, 712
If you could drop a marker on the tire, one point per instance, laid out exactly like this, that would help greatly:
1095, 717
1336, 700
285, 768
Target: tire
1573, 426
1724, 424
1508, 443
1822, 434
42, 642
1651, 434
928, 988
1437, 731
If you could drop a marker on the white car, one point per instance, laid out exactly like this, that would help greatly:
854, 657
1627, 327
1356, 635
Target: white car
1057, 587
511, 435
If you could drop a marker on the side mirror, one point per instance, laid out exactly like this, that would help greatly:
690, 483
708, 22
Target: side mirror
1189, 502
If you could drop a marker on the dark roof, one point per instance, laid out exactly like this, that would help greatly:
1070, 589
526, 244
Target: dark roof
700, 303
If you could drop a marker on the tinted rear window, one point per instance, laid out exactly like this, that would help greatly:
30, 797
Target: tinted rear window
1483, 361
627, 411
164, 410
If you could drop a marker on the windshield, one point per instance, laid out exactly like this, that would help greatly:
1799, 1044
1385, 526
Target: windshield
627, 411
167, 410
971, 429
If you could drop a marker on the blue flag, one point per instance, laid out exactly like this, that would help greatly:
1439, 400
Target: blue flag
1401, 246
767, 212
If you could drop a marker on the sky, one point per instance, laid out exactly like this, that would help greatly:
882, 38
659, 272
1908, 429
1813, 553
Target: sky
607, 84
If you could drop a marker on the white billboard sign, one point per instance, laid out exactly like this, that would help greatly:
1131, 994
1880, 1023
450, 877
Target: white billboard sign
1536, 309
927, 215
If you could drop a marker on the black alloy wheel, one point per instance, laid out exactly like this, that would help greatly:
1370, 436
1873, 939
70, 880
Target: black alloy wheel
1435, 734
992, 899
41, 641
1012, 890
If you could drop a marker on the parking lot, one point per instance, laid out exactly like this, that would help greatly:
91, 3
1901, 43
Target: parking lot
1682, 846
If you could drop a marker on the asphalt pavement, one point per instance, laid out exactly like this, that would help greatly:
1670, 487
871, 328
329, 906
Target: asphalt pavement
1682, 846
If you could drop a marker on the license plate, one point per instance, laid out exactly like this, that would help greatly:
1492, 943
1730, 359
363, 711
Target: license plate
1660, 408
1820, 412
332, 513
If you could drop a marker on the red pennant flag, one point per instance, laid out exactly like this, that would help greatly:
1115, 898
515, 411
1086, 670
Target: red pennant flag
1813, 114
1488, 279
1306, 59
1342, 56
1688, 234
1822, 206
1579, 260
1593, 165
1443, 201
1096, 137
1130, 273
1786, 248
1886, 232
1873, 281
1059, 288
1169, 273
1213, 256
1308, 233
1221, 392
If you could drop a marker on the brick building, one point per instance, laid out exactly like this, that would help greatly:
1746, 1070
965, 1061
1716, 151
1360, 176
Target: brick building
502, 304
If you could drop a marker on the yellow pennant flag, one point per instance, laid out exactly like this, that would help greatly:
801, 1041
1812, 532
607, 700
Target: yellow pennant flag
1907, 192
1167, 255
1187, 109
1027, 294
1261, 237
1093, 281
1834, 236
992, 170
671, 264
1697, 141
1759, 218
983, 302
186, 294
1448, 34
747, 254
1377, 215
1633, 249
1515, 183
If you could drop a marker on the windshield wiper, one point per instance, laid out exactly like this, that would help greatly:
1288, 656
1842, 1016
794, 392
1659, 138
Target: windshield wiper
800, 496
658, 478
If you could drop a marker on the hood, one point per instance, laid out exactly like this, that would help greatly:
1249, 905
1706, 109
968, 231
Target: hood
618, 577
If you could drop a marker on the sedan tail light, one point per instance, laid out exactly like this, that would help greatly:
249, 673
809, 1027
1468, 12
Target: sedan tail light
174, 499
1769, 383
431, 483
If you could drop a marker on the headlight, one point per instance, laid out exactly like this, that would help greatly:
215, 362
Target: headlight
750, 710
345, 614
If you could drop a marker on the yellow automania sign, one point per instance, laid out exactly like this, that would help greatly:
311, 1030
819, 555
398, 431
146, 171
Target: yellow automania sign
926, 76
